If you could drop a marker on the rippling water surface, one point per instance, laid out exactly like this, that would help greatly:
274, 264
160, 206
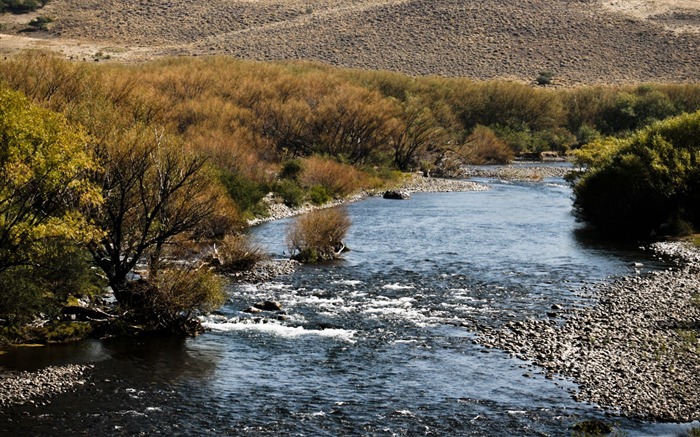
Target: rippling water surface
378, 344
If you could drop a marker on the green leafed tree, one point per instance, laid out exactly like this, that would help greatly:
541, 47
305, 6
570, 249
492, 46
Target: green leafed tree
44, 167
645, 183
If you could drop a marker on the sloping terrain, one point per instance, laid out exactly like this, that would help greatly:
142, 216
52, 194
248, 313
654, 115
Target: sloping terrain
579, 41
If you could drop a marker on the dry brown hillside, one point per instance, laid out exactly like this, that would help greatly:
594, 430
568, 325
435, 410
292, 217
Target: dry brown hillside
580, 41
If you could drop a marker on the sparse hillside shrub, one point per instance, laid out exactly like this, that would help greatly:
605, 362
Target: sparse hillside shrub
237, 252
318, 235
21, 6
636, 185
41, 23
544, 78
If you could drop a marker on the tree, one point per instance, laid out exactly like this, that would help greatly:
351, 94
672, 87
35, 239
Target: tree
420, 134
635, 185
154, 192
44, 169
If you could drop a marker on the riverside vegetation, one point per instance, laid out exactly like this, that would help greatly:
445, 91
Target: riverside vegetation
144, 166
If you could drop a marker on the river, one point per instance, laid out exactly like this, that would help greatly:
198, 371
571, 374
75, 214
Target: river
380, 343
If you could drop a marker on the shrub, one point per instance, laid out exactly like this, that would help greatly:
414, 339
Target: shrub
318, 195
484, 147
177, 295
318, 235
41, 23
338, 179
246, 193
291, 193
21, 6
291, 169
637, 184
60, 272
236, 252
545, 78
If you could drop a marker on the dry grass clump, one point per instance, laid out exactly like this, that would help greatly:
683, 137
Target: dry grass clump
318, 235
237, 252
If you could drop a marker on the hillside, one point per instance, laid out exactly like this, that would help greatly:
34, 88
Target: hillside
580, 41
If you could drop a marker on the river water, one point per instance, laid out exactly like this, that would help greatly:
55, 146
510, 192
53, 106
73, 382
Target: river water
381, 343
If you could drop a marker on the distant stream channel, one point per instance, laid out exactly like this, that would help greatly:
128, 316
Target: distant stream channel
380, 343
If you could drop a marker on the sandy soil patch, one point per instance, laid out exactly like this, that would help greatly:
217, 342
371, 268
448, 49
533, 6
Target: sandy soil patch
676, 15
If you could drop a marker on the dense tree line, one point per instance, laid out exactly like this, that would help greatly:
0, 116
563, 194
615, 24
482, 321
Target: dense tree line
154, 161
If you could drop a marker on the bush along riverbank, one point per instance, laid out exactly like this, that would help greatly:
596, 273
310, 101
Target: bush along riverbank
636, 351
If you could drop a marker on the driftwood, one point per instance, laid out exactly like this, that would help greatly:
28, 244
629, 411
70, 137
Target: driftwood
87, 314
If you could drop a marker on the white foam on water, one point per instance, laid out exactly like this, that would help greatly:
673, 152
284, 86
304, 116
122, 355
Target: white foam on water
280, 330
407, 413
397, 286
382, 301
276, 286
350, 282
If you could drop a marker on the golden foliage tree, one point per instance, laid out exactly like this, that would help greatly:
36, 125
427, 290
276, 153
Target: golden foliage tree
44, 168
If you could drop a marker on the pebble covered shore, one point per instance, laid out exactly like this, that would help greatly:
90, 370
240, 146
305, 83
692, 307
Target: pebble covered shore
636, 351
25, 387
415, 184
522, 171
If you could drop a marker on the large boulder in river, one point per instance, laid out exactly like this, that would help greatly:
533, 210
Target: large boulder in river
396, 194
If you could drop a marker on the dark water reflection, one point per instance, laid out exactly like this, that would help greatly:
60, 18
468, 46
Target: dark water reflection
373, 345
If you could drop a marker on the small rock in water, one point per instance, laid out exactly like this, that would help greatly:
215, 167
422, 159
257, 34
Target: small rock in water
398, 195
268, 305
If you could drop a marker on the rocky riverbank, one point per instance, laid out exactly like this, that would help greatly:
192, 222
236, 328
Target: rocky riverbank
27, 387
413, 184
266, 270
526, 171
636, 351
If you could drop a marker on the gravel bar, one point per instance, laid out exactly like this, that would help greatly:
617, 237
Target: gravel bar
24, 387
635, 351
413, 184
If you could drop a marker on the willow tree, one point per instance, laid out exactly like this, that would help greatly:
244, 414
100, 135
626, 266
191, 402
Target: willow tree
44, 167
154, 192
